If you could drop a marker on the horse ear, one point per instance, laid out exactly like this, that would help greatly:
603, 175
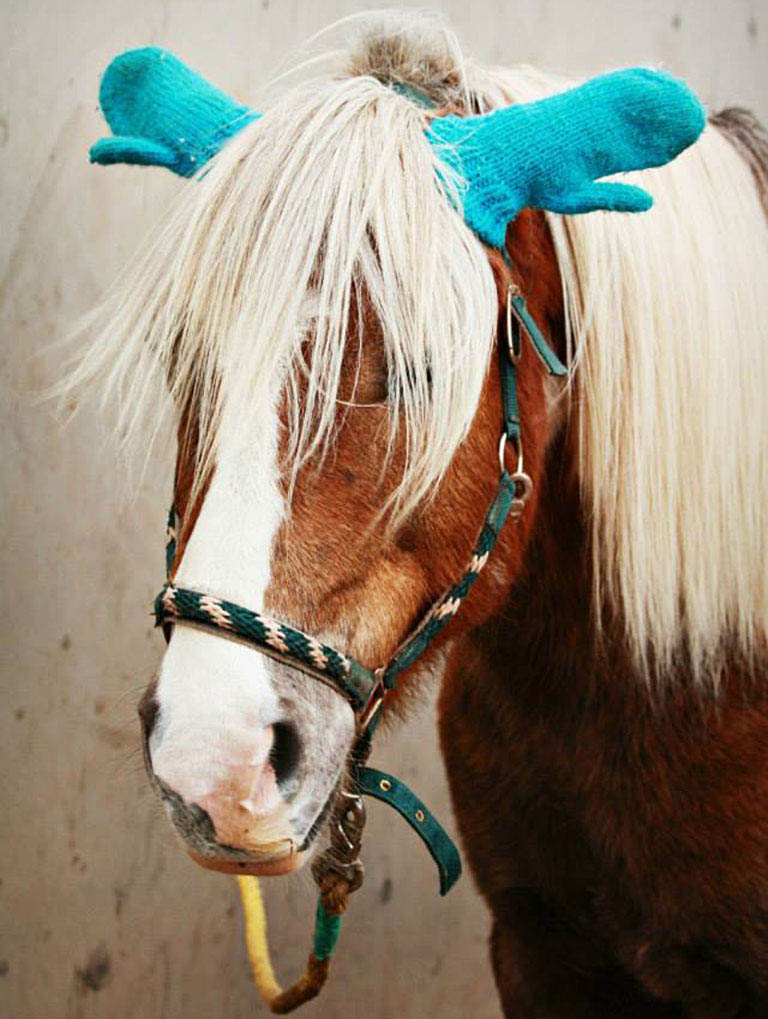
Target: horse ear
162, 113
550, 154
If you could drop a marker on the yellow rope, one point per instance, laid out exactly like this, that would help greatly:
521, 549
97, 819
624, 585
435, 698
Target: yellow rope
256, 938
307, 986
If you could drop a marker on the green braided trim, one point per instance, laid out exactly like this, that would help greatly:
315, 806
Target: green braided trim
354, 680
175, 604
446, 607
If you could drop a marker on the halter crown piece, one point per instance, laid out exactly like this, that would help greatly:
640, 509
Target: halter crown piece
550, 154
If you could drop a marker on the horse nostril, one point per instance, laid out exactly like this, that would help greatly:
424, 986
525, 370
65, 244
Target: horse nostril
285, 754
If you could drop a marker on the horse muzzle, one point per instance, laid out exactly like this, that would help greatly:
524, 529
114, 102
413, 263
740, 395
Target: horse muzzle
225, 797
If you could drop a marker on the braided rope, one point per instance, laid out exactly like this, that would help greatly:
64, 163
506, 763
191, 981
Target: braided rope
449, 603
354, 680
331, 906
176, 604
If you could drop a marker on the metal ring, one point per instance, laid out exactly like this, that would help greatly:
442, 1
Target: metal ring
518, 444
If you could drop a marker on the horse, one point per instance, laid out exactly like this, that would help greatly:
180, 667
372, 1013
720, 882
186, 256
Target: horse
325, 324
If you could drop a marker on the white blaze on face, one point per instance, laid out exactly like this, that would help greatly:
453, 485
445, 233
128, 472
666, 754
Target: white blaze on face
219, 700
212, 736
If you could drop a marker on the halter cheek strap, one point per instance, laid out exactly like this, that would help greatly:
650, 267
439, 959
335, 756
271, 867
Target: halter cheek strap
388, 789
364, 688
338, 871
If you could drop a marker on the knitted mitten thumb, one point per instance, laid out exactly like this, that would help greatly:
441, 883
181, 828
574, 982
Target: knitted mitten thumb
162, 113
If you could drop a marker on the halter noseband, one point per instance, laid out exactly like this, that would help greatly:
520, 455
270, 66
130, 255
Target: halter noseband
338, 871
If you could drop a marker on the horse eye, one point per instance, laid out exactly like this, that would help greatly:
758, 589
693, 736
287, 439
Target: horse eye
410, 379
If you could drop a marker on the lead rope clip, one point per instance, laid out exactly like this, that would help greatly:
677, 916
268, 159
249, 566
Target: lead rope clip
342, 857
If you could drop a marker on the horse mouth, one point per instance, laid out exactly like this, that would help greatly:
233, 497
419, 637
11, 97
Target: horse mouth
273, 866
237, 861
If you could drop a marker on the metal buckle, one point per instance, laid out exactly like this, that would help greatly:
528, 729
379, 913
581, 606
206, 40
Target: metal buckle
515, 348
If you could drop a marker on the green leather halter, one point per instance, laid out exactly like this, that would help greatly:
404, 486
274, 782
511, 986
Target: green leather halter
365, 688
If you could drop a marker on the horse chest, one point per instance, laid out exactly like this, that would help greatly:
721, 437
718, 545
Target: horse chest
630, 829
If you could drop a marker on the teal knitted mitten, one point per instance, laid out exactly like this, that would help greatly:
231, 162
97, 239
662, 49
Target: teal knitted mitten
549, 154
164, 114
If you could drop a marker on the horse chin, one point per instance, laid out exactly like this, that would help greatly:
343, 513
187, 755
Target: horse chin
274, 866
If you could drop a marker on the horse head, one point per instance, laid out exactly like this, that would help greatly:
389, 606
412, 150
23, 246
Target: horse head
325, 306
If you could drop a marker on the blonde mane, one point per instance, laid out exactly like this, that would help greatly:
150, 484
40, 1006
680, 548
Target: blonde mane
669, 314
668, 327
248, 288
334, 193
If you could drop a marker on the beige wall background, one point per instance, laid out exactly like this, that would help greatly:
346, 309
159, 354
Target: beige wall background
101, 912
